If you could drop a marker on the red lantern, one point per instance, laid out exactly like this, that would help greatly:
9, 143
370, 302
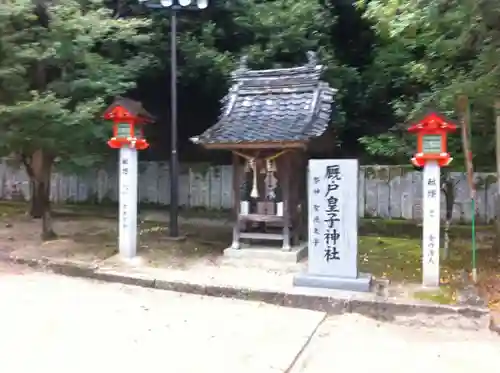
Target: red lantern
128, 117
432, 140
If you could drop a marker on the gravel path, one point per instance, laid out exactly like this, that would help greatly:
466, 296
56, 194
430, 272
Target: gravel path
60, 324
52, 323
358, 344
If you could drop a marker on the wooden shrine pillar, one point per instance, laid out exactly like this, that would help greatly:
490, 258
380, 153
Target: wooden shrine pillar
237, 171
285, 171
304, 200
295, 198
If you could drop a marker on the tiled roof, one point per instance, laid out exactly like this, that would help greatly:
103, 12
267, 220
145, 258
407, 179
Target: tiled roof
133, 107
273, 105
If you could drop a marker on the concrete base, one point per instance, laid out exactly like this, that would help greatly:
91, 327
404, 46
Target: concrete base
134, 261
295, 255
179, 238
361, 283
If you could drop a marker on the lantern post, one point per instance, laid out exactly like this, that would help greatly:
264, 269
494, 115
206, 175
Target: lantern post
431, 154
128, 117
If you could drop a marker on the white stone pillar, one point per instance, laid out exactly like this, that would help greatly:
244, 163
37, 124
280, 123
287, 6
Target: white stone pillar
127, 231
431, 224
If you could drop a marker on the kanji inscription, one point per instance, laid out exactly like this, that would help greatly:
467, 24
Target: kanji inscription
333, 219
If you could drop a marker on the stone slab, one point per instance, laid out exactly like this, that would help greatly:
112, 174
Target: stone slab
174, 239
127, 228
388, 347
431, 221
254, 283
361, 283
296, 254
61, 324
333, 217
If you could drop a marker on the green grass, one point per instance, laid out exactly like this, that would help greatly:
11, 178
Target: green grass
389, 257
401, 258
12, 208
444, 295
411, 229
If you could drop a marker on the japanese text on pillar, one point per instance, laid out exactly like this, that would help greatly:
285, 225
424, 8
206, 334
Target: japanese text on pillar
432, 194
125, 190
331, 213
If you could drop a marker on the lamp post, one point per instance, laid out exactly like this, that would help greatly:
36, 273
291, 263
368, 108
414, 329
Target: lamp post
174, 6
432, 154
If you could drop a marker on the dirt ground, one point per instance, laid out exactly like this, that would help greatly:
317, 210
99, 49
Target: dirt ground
93, 239
91, 236
9, 269
79, 239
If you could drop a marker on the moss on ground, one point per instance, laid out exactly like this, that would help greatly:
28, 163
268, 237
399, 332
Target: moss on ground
444, 295
200, 241
12, 208
389, 257
409, 228
401, 258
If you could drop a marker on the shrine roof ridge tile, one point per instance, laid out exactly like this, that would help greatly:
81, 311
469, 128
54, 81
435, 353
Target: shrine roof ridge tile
273, 105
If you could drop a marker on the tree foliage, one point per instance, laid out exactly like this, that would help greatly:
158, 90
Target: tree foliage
56, 78
391, 60
60, 63
430, 52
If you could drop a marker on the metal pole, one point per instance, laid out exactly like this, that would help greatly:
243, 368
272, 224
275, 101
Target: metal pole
174, 161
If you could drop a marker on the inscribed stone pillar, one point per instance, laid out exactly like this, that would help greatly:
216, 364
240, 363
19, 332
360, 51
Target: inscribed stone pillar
333, 226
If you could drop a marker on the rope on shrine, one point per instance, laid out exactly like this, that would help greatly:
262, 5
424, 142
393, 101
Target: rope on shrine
252, 162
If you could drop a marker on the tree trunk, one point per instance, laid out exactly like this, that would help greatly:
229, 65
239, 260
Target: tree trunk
35, 206
39, 167
47, 228
36, 201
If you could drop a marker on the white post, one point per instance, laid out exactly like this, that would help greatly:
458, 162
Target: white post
127, 230
432, 216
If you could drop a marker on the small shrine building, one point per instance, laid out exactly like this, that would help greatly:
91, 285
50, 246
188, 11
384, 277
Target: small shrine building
269, 119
